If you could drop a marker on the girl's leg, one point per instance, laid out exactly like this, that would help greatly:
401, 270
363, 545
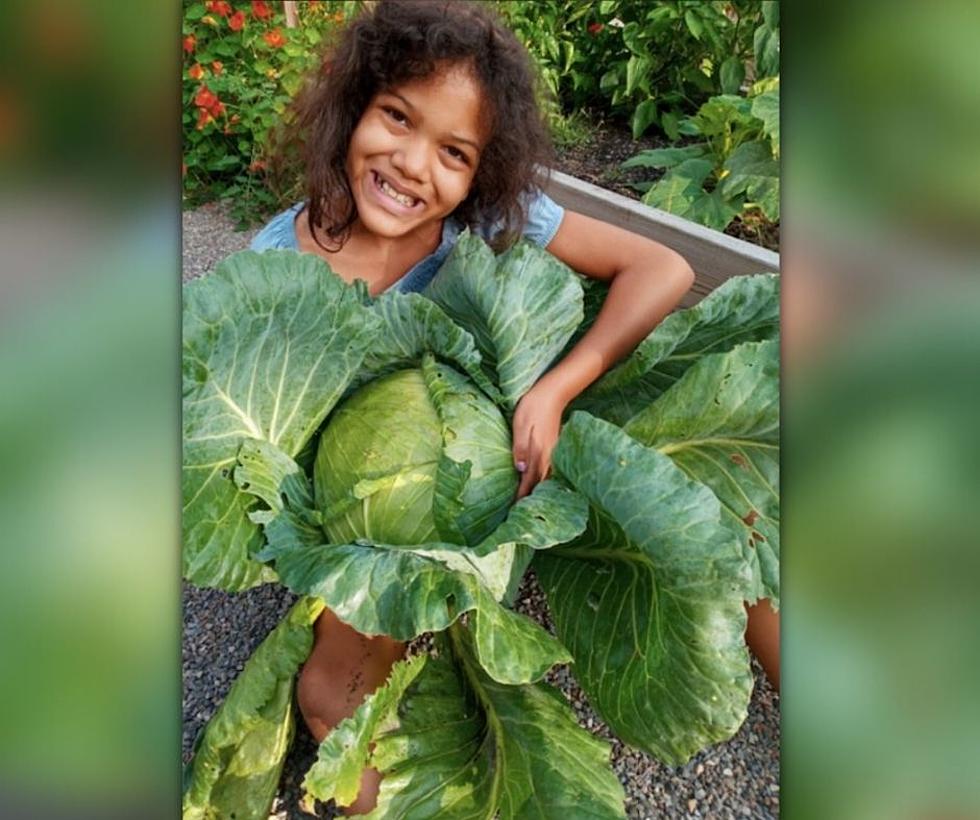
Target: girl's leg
762, 636
343, 668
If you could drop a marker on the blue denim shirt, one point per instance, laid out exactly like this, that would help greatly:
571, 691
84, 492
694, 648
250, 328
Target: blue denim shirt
544, 217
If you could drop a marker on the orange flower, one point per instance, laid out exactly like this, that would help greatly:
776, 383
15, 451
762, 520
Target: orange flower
256, 166
196, 71
203, 118
274, 38
218, 109
206, 98
237, 21
189, 42
260, 11
235, 119
217, 67
219, 7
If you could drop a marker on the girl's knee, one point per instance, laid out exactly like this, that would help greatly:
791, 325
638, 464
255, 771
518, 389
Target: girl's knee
344, 667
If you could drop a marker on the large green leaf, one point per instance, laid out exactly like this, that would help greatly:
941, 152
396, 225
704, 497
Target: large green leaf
754, 171
271, 341
344, 753
551, 514
650, 599
765, 106
745, 308
414, 326
720, 425
403, 593
666, 157
290, 518
681, 191
521, 308
236, 769
465, 746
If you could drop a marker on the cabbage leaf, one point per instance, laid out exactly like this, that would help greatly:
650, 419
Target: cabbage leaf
720, 425
743, 309
236, 768
462, 745
649, 599
271, 342
521, 307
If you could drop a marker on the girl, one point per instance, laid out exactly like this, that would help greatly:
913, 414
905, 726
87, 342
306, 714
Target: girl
421, 121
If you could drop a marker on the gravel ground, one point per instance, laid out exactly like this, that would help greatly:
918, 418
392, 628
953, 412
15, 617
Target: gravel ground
736, 779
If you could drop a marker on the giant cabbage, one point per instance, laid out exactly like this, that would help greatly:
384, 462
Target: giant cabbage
357, 451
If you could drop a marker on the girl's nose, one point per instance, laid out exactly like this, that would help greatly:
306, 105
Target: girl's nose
411, 159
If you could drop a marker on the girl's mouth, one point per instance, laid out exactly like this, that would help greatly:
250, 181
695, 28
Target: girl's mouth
403, 203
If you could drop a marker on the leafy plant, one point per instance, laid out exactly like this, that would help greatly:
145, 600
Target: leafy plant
650, 65
241, 66
356, 450
736, 167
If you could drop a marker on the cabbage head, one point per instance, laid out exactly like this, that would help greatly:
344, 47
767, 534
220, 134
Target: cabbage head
386, 447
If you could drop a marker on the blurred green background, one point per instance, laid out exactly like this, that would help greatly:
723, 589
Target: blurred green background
882, 452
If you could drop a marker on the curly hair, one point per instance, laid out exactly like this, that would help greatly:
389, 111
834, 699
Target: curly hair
396, 41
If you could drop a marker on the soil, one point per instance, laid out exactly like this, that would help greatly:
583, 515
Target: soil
597, 160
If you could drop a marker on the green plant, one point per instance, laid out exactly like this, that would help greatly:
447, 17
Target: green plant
660, 521
649, 65
241, 66
735, 169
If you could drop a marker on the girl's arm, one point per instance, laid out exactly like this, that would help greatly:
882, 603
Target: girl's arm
647, 280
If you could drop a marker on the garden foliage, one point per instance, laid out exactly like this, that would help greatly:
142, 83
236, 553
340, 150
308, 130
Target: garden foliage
660, 521
241, 67
678, 68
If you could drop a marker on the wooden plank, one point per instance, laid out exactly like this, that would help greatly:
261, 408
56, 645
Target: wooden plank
714, 256
289, 6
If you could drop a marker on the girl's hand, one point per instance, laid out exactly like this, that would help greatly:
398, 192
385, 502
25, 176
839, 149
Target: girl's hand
537, 422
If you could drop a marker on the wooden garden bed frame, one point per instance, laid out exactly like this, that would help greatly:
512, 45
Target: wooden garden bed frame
714, 256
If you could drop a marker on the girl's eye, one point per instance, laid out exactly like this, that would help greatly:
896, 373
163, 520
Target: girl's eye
396, 115
455, 153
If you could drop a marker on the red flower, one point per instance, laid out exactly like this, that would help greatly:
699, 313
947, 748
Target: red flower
217, 67
217, 109
237, 21
219, 7
595, 28
274, 38
195, 72
256, 166
206, 98
189, 42
203, 118
260, 11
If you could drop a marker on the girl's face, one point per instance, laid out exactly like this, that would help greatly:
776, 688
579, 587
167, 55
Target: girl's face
414, 154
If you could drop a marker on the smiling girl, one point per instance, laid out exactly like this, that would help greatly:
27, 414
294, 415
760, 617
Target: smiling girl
422, 121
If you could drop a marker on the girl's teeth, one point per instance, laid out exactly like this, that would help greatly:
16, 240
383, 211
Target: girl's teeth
402, 198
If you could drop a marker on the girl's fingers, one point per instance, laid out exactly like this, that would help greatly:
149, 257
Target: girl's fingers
528, 480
